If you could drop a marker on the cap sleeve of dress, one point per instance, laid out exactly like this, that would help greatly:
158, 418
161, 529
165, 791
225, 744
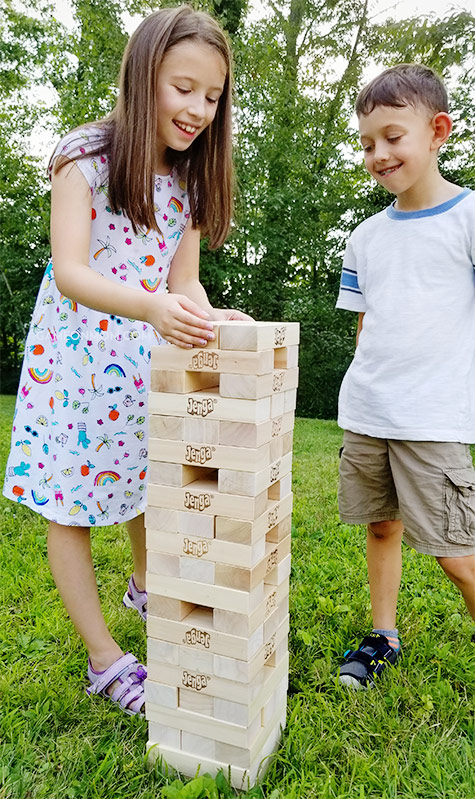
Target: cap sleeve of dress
76, 146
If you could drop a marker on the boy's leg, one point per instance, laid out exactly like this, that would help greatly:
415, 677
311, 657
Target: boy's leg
461, 571
384, 563
70, 559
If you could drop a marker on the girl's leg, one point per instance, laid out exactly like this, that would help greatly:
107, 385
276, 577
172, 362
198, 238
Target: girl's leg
136, 531
384, 561
462, 573
69, 552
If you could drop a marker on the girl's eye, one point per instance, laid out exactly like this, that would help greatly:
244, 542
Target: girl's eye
393, 139
212, 100
182, 90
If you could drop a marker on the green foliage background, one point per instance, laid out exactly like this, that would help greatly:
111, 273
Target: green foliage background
301, 184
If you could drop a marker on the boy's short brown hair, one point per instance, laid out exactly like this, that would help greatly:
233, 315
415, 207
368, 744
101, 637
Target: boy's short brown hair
404, 84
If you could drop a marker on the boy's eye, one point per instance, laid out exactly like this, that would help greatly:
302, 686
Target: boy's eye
367, 148
393, 139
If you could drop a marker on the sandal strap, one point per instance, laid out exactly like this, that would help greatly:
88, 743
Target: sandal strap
114, 672
379, 643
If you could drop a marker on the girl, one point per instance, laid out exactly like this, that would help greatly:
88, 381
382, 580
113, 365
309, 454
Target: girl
130, 195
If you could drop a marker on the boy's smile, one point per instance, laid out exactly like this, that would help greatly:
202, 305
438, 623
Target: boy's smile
400, 151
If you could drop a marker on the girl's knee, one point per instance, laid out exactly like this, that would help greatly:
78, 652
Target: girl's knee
387, 528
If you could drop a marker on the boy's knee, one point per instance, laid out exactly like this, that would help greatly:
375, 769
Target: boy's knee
386, 528
459, 569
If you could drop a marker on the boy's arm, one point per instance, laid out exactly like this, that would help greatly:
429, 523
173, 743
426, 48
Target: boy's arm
360, 327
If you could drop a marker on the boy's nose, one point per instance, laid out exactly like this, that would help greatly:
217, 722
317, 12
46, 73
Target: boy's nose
381, 152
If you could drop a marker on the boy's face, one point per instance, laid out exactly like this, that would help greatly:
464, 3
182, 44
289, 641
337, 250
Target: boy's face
399, 147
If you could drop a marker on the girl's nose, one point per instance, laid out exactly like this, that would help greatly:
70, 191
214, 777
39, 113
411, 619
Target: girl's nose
197, 106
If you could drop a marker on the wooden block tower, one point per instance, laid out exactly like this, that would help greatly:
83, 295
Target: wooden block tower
218, 548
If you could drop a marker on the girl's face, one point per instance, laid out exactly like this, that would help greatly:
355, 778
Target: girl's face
190, 82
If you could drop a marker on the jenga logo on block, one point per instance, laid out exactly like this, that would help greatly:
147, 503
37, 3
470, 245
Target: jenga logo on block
276, 426
203, 407
279, 336
198, 454
277, 382
274, 472
269, 648
203, 359
194, 637
271, 561
272, 517
196, 548
271, 603
195, 681
197, 501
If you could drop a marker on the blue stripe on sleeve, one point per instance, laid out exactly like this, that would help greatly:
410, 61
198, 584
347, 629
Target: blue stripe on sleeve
349, 281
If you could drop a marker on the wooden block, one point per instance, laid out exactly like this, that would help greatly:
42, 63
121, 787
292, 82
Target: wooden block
160, 563
248, 532
290, 400
232, 481
163, 519
242, 624
216, 729
226, 552
257, 386
192, 524
173, 474
163, 651
282, 487
280, 531
277, 405
252, 693
167, 608
163, 735
280, 573
169, 427
258, 335
235, 712
244, 671
198, 634
203, 496
198, 745
241, 777
195, 660
245, 579
202, 431
278, 447
212, 596
212, 456
195, 569
182, 382
160, 694
212, 359
286, 357
246, 434
206, 404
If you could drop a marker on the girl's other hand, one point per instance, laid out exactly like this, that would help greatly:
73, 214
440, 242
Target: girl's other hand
180, 320
231, 315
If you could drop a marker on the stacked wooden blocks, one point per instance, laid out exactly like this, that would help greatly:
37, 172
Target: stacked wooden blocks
218, 548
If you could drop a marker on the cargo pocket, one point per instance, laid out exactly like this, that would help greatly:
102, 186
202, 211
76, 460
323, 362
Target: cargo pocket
459, 521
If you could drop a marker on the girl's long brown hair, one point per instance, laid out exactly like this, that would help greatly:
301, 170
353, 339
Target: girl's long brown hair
130, 130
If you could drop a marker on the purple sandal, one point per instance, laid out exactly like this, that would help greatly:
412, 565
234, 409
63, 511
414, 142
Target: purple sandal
133, 598
130, 675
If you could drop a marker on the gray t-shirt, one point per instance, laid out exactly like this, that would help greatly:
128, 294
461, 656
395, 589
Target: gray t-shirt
412, 275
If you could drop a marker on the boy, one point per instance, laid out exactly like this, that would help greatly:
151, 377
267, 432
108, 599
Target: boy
407, 401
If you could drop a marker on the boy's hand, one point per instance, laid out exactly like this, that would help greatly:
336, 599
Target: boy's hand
180, 321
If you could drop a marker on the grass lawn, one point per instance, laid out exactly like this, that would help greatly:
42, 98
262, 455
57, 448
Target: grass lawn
412, 737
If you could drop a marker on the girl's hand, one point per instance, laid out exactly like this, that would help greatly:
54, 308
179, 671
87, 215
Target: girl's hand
180, 320
230, 315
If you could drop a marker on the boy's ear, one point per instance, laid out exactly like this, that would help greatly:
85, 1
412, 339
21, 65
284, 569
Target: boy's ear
442, 127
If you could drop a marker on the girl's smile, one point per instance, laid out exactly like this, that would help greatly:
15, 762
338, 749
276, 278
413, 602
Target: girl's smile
190, 82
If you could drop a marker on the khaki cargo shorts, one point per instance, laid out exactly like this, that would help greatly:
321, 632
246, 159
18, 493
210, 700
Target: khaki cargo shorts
429, 485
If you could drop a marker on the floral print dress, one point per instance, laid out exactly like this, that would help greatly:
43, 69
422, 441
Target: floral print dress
79, 440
